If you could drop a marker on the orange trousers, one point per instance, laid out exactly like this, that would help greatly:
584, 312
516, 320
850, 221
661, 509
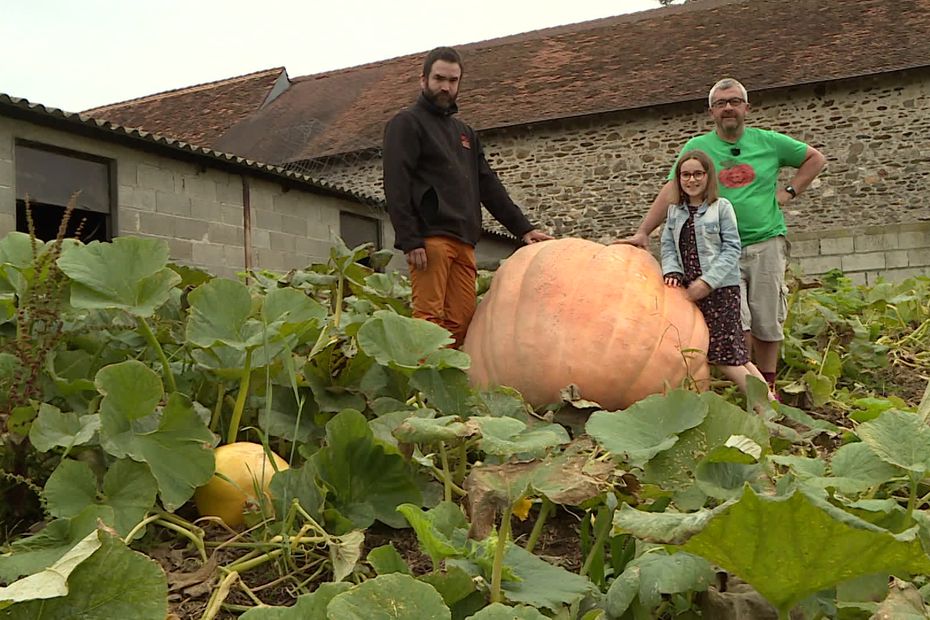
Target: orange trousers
444, 293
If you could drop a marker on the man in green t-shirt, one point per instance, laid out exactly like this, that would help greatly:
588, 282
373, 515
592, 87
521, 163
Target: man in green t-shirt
747, 162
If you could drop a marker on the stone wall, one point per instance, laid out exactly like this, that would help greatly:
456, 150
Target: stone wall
196, 208
595, 177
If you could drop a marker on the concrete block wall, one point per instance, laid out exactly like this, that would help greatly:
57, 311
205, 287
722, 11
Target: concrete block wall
893, 252
196, 209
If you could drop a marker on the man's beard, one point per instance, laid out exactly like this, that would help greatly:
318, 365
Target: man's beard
439, 98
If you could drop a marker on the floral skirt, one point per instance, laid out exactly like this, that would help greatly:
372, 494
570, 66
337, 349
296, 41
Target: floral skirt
721, 313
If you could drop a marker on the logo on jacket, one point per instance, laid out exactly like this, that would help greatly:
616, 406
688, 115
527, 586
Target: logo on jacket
466, 143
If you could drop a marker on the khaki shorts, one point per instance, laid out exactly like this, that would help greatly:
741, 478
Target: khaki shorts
764, 296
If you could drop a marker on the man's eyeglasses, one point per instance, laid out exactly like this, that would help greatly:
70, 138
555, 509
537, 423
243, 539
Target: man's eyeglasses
734, 102
697, 175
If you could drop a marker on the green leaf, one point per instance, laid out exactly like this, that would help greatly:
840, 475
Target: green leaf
508, 437
344, 552
389, 597
819, 386
899, 438
400, 341
114, 582
287, 418
53, 581
128, 488
662, 573
446, 389
292, 310
857, 465
175, 443
675, 468
499, 611
129, 273
367, 482
648, 427
41, 550
385, 560
441, 531
16, 256
308, 606
454, 585
541, 584
622, 591
300, 483
428, 430
788, 547
53, 428
219, 314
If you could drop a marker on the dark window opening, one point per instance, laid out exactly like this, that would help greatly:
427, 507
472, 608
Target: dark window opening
358, 229
48, 177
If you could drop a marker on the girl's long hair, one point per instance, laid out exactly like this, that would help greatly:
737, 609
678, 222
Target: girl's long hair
710, 192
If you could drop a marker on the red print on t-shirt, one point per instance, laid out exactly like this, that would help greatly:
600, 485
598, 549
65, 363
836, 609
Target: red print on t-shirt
465, 141
739, 175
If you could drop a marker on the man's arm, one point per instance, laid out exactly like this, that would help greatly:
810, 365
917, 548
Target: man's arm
813, 163
496, 200
400, 155
668, 195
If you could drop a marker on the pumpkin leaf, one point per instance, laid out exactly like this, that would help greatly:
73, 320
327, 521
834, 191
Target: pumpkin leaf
648, 427
96, 593
344, 552
901, 439
308, 606
128, 488
219, 314
445, 389
300, 483
129, 273
787, 547
428, 430
367, 482
676, 467
386, 559
508, 436
454, 585
499, 611
174, 442
39, 551
53, 581
539, 583
623, 590
395, 596
663, 573
401, 342
441, 531
54, 428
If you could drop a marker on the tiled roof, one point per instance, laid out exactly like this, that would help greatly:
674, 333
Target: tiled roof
631, 61
15, 107
197, 114
637, 60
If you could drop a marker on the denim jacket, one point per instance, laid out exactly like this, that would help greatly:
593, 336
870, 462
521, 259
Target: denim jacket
717, 237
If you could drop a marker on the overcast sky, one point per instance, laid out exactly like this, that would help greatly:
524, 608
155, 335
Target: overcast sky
78, 54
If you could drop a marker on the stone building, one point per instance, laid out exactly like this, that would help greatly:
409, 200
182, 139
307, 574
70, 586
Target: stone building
583, 121
216, 211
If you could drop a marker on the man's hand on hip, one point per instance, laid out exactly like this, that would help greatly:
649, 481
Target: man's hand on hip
416, 259
535, 235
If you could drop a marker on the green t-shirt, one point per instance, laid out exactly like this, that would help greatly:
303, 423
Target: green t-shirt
747, 176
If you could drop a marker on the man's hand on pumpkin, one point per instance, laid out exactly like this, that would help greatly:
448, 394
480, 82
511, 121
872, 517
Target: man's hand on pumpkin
639, 239
534, 236
416, 259
698, 289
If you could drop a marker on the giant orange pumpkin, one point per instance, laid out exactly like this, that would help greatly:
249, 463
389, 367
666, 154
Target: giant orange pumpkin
572, 311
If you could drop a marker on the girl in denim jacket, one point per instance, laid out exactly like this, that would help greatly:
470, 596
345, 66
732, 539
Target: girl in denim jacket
700, 251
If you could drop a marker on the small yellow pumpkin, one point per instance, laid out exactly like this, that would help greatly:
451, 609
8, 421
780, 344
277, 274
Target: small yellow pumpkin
247, 468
